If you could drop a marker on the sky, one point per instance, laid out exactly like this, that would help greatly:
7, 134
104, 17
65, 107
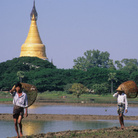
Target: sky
68, 28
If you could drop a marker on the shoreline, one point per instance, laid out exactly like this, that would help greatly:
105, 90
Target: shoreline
127, 132
50, 117
75, 104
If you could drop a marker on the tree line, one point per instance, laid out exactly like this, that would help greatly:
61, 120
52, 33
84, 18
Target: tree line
95, 71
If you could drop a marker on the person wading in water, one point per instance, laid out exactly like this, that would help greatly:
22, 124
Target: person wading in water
122, 105
20, 102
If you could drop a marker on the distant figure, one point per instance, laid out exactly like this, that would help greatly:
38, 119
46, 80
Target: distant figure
20, 102
122, 105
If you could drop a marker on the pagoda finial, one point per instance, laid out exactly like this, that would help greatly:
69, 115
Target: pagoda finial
33, 15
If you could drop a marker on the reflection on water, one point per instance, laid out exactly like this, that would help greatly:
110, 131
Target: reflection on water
30, 127
35, 127
66, 109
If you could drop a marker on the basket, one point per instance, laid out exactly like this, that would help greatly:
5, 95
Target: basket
130, 89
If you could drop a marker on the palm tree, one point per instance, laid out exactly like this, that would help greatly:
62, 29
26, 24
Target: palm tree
112, 77
20, 75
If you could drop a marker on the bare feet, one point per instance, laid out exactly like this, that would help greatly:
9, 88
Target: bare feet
122, 127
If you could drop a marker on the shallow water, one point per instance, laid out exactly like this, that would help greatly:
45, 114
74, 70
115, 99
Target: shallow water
36, 127
74, 110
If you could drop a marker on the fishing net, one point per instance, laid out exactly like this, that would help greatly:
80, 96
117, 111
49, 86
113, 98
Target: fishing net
130, 88
31, 92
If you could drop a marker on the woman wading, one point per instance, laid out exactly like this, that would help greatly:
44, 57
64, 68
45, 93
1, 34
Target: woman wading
20, 102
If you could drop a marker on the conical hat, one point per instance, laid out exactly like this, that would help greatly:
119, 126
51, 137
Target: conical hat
31, 92
129, 88
119, 89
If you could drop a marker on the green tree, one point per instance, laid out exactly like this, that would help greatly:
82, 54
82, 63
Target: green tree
111, 65
119, 65
134, 77
78, 89
92, 58
67, 87
112, 78
29, 65
95, 76
129, 65
102, 88
20, 75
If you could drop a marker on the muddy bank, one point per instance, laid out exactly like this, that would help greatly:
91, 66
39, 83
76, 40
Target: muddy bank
114, 132
48, 117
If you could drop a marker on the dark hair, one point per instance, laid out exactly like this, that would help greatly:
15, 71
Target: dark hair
18, 84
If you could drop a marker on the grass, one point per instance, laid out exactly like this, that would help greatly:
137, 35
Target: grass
86, 98
61, 96
5, 97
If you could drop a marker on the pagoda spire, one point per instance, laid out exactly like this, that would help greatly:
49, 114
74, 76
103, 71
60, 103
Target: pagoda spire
33, 14
33, 45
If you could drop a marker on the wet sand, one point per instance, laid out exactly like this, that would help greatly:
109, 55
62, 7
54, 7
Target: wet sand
49, 117
114, 132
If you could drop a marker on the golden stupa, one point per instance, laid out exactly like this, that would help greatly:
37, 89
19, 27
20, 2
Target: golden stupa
33, 46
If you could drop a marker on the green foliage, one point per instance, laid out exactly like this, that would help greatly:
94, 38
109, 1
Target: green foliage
111, 65
92, 58
94, 76
78, 89
134, 77
121, 76
67, 87
102, 88
9, 69
112, 78
128, 65
20, 75
46, 77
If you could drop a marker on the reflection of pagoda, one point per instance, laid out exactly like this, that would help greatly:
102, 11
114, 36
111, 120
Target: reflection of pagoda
33, 46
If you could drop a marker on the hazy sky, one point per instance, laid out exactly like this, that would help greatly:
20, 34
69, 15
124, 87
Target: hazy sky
68, 28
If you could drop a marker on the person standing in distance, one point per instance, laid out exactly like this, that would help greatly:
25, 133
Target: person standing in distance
20, 102
122, 105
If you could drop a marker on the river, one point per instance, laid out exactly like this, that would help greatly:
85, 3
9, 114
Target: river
74, 110
35, 127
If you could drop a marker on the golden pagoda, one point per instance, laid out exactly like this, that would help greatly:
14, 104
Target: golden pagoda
33, 46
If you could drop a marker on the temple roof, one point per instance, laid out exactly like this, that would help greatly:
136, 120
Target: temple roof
34, 15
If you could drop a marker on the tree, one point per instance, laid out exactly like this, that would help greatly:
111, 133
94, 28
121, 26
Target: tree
92, 58
129, 65
134, 77
112, 77
102, 88
78, 89
20, 75
119, 65
67, 87
111, 65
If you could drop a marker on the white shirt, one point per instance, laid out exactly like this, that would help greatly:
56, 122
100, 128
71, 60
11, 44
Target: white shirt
20, 101
121, 99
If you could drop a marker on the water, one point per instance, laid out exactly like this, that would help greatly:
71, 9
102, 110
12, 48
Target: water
74, 110
36, 127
